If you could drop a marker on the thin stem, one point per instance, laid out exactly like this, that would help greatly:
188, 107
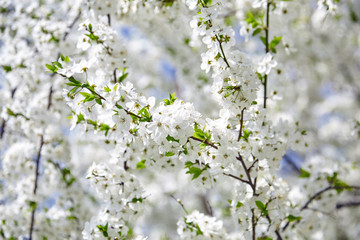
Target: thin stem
126, 167
247, 171
115, 78
278, 235
36, 185
253, 224
131, 113
179, 202
241, 123
204, 141
266, 46
317, 194
222, 51
109, 19
71, 25
351, 203
325, 190
50, 97
237, 178
253, 164
3, 125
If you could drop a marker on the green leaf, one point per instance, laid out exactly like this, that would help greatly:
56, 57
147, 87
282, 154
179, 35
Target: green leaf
189, 164
135, 200
73, 80
169, 154
107, 89
185, 151
51, 68
256, 31
196, 172
123, 77
264, 238
263, 39
57, 64
218, 56
262, 207
141, 164
104, 127
171, 139
33, 205
239, 204
171, 99
80, 118
292, 218
98, 101
103, 229
88, 97
304, 173
145, 115
7, 68
246, 134
274, 43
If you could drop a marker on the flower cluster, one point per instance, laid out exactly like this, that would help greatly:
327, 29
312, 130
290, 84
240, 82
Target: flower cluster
166, 101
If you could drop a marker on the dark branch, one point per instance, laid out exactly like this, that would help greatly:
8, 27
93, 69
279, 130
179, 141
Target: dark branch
247, 171
179, 202
266, 46
241, 123
317, 194
3, 125
204, 141
115, 78
237, 178
71, 25
50, 97
351, 203
38, 156
109, 19
222, 51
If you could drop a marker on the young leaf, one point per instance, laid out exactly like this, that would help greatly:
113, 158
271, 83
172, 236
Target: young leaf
141, 164
304, 173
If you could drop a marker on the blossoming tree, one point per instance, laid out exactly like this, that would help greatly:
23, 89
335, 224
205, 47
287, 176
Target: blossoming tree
182, 117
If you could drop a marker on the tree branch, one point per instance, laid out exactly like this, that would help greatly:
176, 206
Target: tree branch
247, 171
204, 141
317, 194
266, 46
50, 97
241, 123
71, 25
222, 51
237, 178
351, 203
36, 185
3, 125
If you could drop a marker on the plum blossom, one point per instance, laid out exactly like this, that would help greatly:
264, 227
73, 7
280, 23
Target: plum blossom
266, 64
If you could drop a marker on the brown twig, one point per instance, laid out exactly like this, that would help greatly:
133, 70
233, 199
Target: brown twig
241, 123
50, 97
3, 125
247, 171
266, 46
317, 194
222, 51
38, 156
72, 25
204, 141
115, 78
351, 203
237, 178
179, 202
